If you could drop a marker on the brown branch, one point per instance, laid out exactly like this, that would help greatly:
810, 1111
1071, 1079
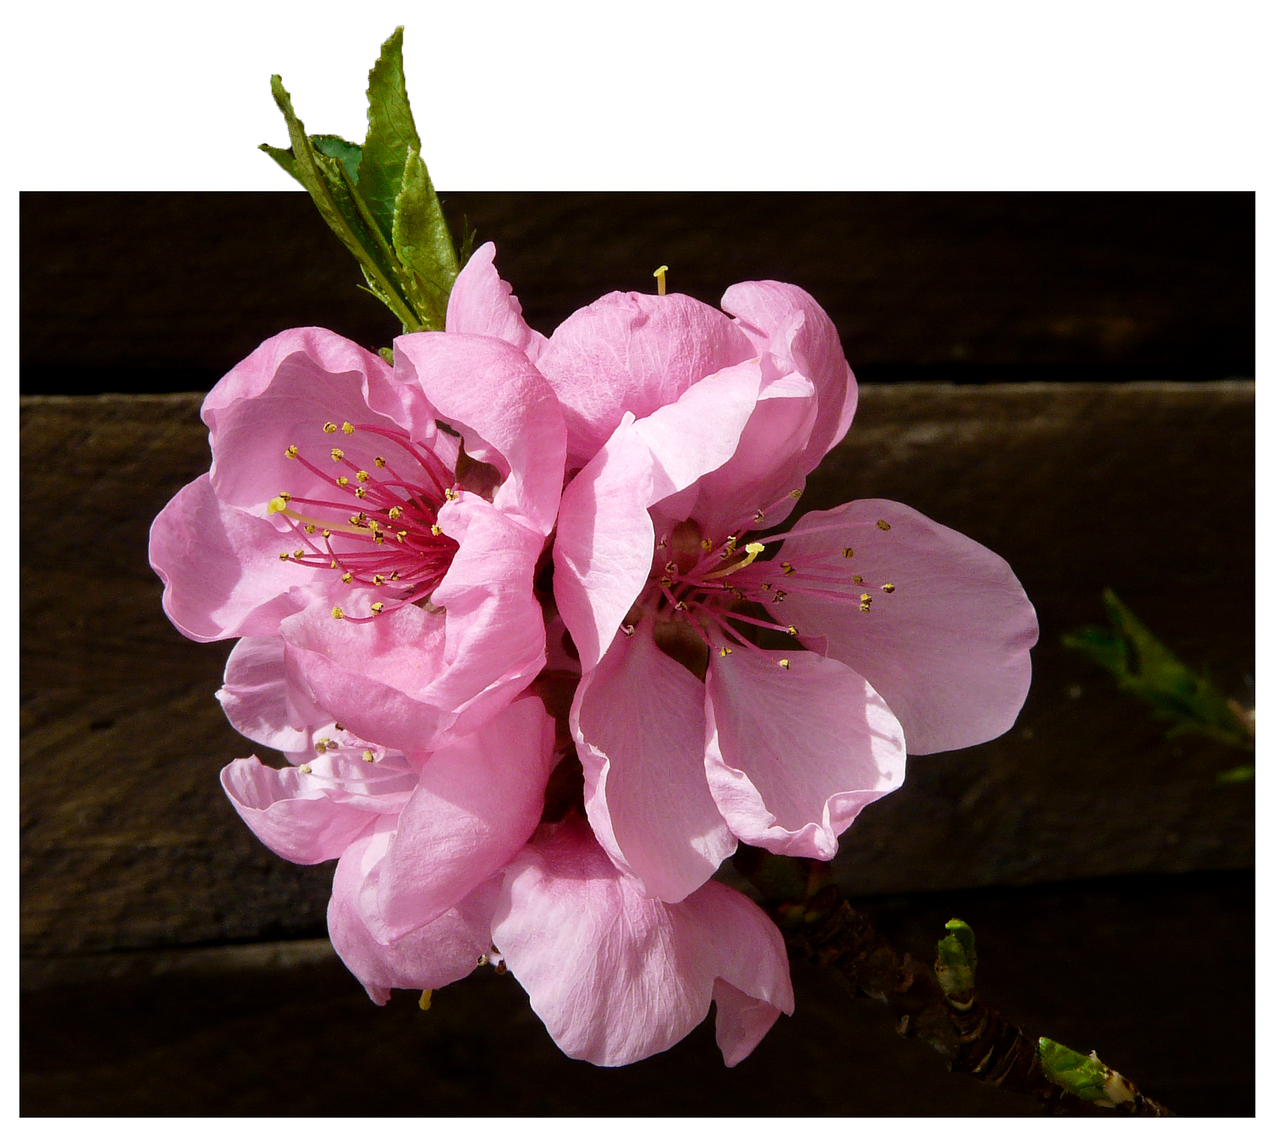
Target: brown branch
975, 1038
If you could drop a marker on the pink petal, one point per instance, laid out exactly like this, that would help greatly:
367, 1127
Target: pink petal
793, 755
949, 648
605, 538
481, 303
766, 310
260, 701
476, 804
507, 415
633, 352
221, 568
638, 722
312, 813
410, 678
617, 977
282, 395
442, 952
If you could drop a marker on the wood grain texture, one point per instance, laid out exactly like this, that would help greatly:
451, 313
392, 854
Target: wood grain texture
127, 841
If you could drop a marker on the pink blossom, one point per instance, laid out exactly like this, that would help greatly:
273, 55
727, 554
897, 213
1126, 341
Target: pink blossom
744, 687
442, 862
395, 559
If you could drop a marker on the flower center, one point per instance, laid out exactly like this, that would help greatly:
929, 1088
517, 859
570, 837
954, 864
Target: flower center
392, 541
721, 590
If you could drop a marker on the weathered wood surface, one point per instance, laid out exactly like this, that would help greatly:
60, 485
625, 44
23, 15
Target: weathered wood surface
127, 841
1156, 973
1156, 283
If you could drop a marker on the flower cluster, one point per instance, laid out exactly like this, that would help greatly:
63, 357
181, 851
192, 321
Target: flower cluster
518, 613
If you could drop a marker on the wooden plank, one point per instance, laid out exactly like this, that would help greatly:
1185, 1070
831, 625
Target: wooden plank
127, 841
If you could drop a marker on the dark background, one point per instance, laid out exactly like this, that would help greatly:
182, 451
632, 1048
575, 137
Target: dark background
170, 964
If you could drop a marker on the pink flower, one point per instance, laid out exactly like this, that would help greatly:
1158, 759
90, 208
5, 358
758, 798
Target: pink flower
738, 687
396, 565
442, 862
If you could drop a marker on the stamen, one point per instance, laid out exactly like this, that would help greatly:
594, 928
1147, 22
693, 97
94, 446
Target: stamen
329, 427
291, 452
785, 664
660, 274
347, 428
336, 454
887, 587
367, 755
883, 526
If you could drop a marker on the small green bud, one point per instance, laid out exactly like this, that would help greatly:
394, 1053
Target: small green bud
957, 963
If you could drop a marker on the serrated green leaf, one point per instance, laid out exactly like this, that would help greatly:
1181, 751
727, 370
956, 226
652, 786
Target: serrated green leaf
421, 239
348, 153
392, 134
331, 189
1078, 1073
284, 158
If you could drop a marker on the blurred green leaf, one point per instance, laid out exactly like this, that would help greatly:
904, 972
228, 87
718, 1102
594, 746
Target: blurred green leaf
1146, 668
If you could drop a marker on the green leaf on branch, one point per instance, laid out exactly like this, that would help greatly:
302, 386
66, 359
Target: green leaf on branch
957, 962
378, 197
1146, 668
1081, 1074
348, 153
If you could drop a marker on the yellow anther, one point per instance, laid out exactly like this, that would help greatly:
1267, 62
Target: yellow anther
378, 580
362, 475
343, 480
336, 454
707, 545
360, 490
778, 596
665, 581
347, 428
326, 533
297, 554
310, 528
451, 494
378, 538
865, 597
857, 580
795, 494
791, 629
333, 564
329, 427
725, 651
883, 526
379, 462
395, 512
681, 605
367, 755
864, 607
337, 613
628, 630
435, 530
731, 543
277, 505
376, 608
660, 275
424, 1003
765, 587
395, 575
785, 664
787, 570
291, 452
887, 587
404, 533
304, 769
347, 577
759, 515
284, 556
847, 553
320, 745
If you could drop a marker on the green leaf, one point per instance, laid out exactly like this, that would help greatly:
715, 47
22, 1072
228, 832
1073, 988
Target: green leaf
1084, 1076
1240, 775
1146, 668
422, 242
284, 158
331, 188
391, 136
348, 153
957, 962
